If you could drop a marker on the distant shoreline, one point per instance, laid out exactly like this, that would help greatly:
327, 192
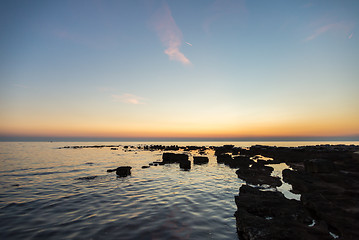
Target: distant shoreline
88, 139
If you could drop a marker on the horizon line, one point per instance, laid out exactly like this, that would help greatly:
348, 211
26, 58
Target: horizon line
173, 139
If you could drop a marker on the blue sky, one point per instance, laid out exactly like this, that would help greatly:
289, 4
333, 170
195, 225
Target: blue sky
179, 68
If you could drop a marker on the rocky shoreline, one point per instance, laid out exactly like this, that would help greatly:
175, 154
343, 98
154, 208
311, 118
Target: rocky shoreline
325, 176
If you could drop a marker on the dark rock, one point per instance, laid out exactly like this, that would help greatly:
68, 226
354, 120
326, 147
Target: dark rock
174, 158
318, 166
200, 160
223, 158
123, 171
240, 161
268, 215
111, 170
145, 166
258, 174
114, 148
186, 165
87, 178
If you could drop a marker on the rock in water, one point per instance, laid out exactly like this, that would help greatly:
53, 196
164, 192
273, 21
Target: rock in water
224, 158
123, 171
200, 160
174, 158
265, 215
185, 165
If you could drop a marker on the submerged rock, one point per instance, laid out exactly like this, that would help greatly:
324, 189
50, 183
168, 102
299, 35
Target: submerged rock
87, 178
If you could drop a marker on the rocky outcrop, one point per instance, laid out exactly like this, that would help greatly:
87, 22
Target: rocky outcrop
121, 171
258, 174
174, 157
185, 165
200, 160
265, 215
223, 158
319, 166
327, 177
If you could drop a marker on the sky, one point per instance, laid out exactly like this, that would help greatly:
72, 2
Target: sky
179, 69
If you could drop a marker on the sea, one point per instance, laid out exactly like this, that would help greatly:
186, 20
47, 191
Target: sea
51, 192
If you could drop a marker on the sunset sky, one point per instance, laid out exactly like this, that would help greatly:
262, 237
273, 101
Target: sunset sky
206, 69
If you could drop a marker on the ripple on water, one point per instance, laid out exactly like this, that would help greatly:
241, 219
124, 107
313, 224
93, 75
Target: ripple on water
161, 202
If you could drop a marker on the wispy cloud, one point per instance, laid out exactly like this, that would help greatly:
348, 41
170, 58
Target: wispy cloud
350, 36
189, 44
128, 98
339, 26
169, 34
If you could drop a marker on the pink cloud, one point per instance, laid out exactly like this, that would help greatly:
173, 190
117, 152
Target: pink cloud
339, 27
350, 36
169, 34
128, 98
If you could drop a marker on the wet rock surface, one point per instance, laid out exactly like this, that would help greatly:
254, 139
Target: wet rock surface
200, 160
269, 215
259, 174
123, 171
327, 177
174, 157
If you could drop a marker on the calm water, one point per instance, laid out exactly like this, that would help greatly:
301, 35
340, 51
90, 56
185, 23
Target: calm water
41, 197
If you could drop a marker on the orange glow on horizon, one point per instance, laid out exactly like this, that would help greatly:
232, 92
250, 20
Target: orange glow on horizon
291, 129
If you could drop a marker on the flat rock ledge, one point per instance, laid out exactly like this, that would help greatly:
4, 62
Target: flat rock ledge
266, 215
326, 176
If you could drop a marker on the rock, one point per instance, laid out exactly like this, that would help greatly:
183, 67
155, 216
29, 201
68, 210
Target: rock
223, 158
263, 215
123, 171
145, 166
111, 170
185, 165
258, 174
114, 148
355, 155
200, 160
240, 161
87, 178
318, 166
174, 157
